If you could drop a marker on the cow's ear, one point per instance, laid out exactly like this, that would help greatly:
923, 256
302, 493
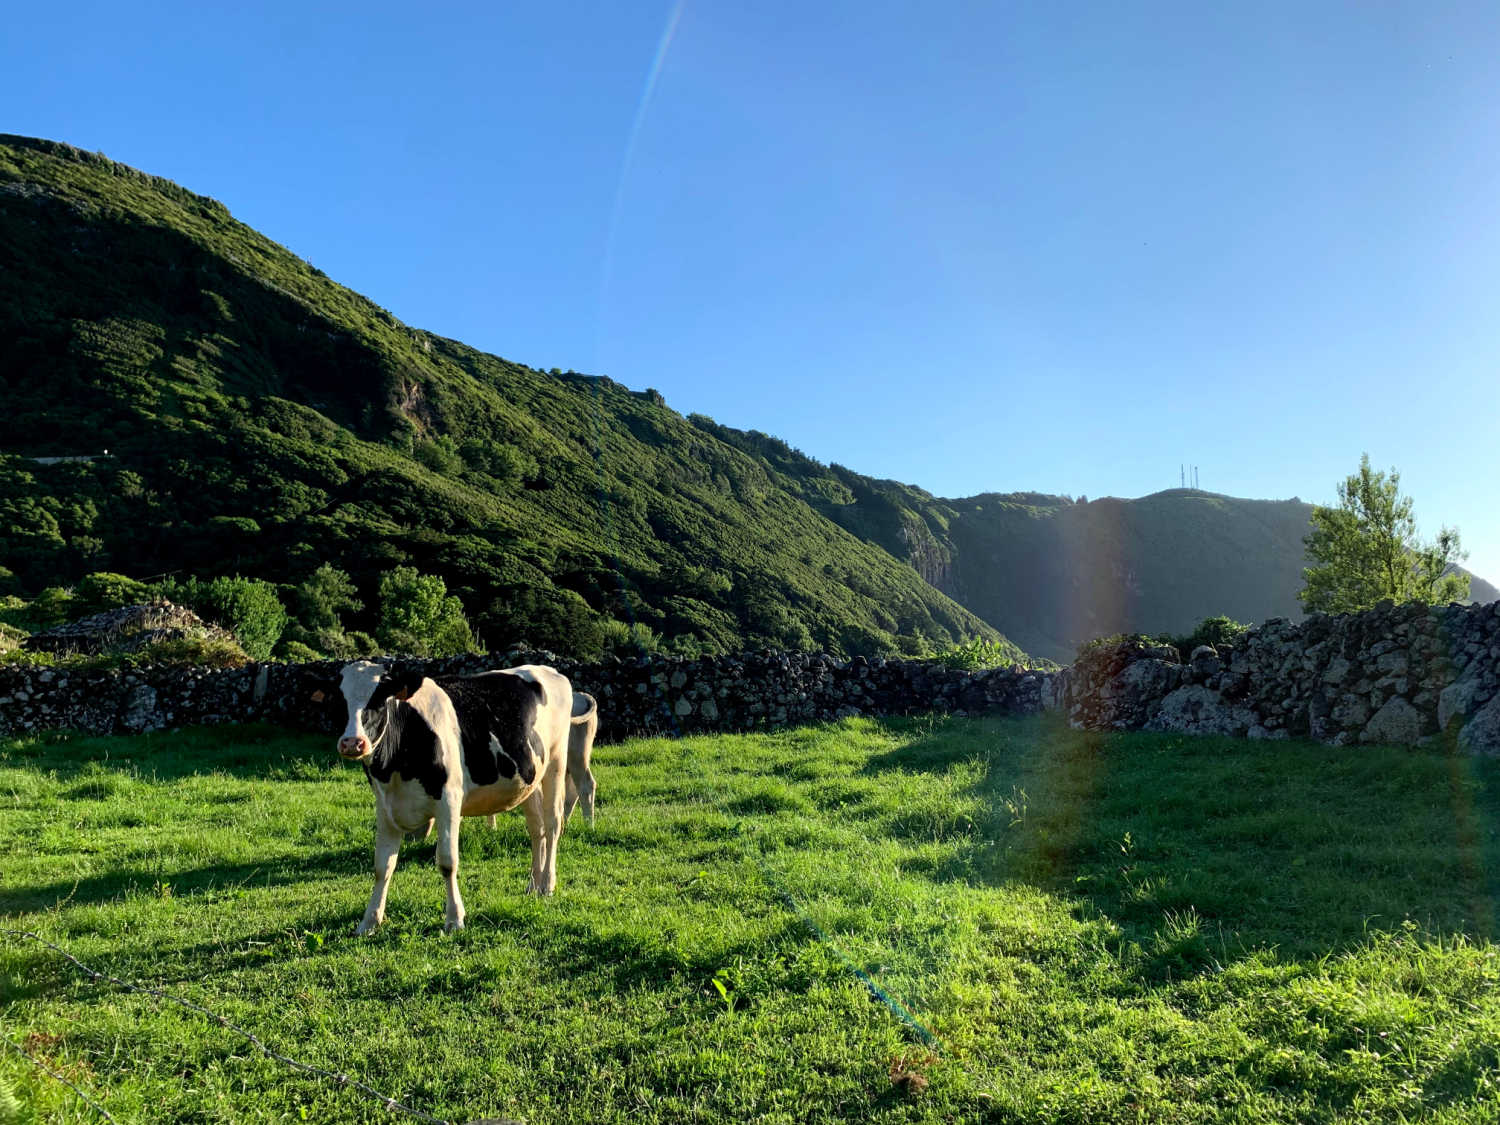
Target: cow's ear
404, 682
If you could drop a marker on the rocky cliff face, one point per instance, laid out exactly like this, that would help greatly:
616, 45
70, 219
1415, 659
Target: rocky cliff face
1403, 674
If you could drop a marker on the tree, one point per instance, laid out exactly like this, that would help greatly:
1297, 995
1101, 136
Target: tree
323, 596
1366, 550
320, 601
247, 607
418, 616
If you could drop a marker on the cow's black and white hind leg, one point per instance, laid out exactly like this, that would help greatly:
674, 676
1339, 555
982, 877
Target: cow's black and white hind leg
387, 845
580, 792
532, 806
583, 727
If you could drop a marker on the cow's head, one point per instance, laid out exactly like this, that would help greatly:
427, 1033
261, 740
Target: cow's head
368, 688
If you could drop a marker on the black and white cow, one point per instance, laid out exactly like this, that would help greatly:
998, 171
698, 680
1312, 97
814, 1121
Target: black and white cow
471, 746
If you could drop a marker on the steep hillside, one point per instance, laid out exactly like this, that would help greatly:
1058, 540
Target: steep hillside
246, 414
1053, 572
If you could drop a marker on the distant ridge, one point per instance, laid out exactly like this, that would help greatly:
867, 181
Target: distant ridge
1057, 572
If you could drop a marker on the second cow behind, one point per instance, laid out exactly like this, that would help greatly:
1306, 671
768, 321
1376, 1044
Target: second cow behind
437, 751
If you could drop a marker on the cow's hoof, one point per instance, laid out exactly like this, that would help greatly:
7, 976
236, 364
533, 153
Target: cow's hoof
366, 928
452, 927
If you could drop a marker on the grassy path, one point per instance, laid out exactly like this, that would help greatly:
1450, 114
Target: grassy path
1095, 929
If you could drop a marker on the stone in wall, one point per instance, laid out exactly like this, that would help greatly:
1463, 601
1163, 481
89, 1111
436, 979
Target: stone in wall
1195, 709
1481, 734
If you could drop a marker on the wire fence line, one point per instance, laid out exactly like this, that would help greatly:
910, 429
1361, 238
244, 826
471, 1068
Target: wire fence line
47, 1070
337, 1077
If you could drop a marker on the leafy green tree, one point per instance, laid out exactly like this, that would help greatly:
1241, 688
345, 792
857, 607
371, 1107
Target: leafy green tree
419, 616
1366, 550
247, 607
320, 600
324, 596
559, 620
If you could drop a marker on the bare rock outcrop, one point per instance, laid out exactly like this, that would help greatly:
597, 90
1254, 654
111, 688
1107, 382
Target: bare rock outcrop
128, 628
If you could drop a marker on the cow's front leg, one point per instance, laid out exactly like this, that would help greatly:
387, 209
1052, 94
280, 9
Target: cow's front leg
552, 829
449, 817
387, 845
533, 810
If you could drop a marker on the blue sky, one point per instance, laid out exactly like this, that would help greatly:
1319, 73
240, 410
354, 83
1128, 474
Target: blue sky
974, 247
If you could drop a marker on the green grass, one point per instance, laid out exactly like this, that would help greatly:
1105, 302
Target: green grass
1095, 929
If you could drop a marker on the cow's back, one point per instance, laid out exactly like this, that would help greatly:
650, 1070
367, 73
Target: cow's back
555, 712
496, 719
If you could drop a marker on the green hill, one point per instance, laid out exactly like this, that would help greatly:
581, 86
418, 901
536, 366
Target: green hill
246, 414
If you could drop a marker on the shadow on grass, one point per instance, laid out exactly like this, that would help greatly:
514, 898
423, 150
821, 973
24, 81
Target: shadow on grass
565, 951
1201, 846
306, 935
257, 750
146, 880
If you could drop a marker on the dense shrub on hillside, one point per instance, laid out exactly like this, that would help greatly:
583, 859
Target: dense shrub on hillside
247, 607
542, 617
103, 590
418, 616
52, 606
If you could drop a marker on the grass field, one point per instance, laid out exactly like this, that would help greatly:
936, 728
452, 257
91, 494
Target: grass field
1092, 929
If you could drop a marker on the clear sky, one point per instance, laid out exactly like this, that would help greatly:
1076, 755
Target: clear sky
974, 247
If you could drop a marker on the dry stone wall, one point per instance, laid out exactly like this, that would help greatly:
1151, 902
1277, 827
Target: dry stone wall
636, 697
1400, 674
1410, 674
